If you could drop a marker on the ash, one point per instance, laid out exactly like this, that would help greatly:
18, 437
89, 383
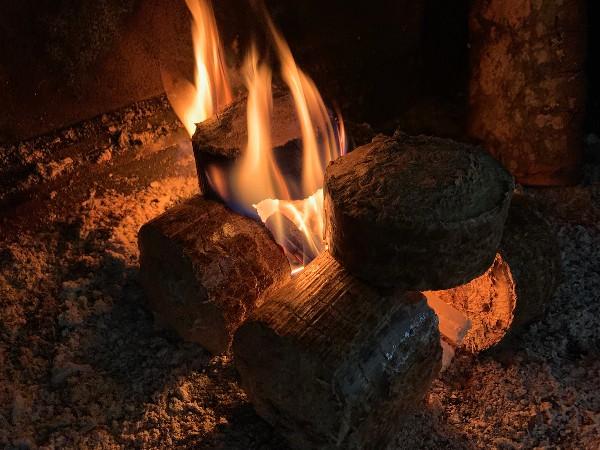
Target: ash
84, 365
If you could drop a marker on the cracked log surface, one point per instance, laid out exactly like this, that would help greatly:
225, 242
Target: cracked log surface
204, 268
332, 363
417, 212
515, 290
527, 87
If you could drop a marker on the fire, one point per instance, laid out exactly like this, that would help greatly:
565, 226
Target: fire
256, 175
318, 136
297, 225
194, 103
256, 182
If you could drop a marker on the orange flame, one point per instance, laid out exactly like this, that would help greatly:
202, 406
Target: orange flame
318, 136
256, 175
194, 103
256, 181
320, 145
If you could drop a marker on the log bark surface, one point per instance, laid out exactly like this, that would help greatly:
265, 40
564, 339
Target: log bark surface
332, 363
516, 288
204, 268
527, 88
416, 212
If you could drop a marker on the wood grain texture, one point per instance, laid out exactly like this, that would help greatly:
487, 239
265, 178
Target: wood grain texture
332, 363
416, 212
204, 268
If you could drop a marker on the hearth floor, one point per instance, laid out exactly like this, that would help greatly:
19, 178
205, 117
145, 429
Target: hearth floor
83, 365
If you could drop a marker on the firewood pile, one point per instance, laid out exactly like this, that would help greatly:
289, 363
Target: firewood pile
424, 254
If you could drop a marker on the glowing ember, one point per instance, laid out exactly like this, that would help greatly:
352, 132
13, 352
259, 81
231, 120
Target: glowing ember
194, 103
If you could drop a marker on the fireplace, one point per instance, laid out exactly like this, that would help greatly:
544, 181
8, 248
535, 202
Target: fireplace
231, 224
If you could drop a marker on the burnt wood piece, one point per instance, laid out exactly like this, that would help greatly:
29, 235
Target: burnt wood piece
527, 87
220, 140
204, 268
332, 363
416, 212
516, 289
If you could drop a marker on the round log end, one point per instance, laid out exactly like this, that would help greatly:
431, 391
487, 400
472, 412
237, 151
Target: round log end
204, 268
333, 363
416, 212
515, 290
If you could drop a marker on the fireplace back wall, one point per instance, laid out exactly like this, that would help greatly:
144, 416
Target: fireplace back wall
66, 61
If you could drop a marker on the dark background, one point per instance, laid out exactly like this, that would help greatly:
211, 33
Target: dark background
387, 62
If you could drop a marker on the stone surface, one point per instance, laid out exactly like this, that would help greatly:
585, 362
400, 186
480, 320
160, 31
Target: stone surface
527, 88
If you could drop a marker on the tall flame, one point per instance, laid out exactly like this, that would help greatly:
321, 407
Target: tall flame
296, 224
256, 175
318, 137
194, 103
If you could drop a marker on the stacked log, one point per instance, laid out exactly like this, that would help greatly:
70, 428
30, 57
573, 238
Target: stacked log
515, 290
527, 87
204, 268
416, 212
333, 363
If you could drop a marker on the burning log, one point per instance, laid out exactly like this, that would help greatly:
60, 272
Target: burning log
204, 268
515, 289
221, 139
416, 212
527, 89
332, 362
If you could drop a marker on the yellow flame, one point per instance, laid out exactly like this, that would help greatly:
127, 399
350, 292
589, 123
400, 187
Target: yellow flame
256, 175
256, 180
194, 103
318, 137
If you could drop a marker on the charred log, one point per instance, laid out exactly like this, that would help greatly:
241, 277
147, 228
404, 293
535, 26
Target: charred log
332, 363
220, 140
527, 88
204, 268
516, 288
416, 212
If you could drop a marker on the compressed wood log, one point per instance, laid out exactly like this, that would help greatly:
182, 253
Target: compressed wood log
220, 140
527, 87
332, 363
417, 212
204, 268
516, 288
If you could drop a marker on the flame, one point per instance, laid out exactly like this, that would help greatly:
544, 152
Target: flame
318, 136
194, 103
256, 175
297, 225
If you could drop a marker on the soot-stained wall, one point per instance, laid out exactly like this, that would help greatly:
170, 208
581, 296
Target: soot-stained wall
62, 61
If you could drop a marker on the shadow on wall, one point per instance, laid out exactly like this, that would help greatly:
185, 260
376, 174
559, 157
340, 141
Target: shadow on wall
65, 61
